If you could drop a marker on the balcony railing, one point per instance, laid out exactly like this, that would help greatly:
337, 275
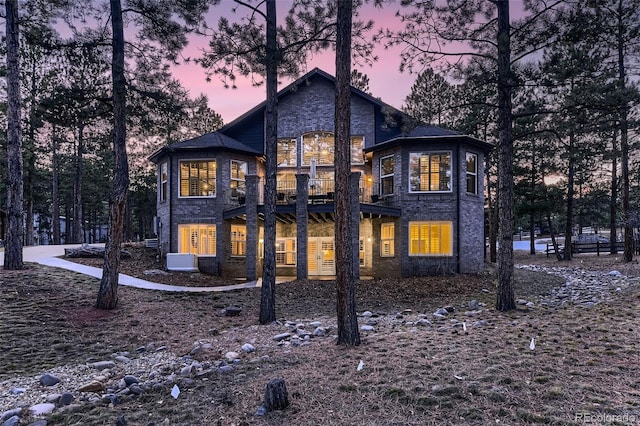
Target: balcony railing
320, 191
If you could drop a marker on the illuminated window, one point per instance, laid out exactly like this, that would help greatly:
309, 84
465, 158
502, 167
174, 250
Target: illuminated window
197, 239
238, 175
387, 240
361, 253
321, 146
387, 165
287, 152
164, 179
430, 239
238, 240
357, 150
286, 251
429, 172
198, 178
472, 173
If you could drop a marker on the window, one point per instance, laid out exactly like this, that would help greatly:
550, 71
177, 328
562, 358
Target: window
387, 165
286, 251
361, 253
164, 179
318, 145
238, 240
287, 152
321, 145
238, 174
429, 172
357, 150
430, 239
387, 240
197, 239
198, 178
472, 173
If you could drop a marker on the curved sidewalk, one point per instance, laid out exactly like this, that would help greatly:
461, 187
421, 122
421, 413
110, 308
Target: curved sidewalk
46, 255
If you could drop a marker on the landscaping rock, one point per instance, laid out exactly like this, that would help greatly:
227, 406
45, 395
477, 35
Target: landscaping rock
103, 365
49, 380
281, 336
65, 399
320, 331
42, 409
230, 356
248, 348
366, 328
10, 413
474, 305
93, 386
232, 311
17, 391
441, 311
12, 421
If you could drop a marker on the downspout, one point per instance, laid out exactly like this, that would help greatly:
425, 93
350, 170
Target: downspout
170, 199
458, 191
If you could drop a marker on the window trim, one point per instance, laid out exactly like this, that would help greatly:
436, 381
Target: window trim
197, 160
391, 240
285, 252
431, 223
387, 176
198, 227
294, 157
473, 174
232, 240
164, 181
430, 153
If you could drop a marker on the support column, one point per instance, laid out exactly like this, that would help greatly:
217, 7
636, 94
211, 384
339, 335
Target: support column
251, 203
354, 188
302, 202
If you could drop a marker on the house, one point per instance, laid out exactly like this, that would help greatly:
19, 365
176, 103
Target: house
419, 209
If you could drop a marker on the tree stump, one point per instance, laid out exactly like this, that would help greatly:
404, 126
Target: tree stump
276, 396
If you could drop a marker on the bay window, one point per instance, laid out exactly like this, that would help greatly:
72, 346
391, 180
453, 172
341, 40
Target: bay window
430, 172
198, 178
197, 239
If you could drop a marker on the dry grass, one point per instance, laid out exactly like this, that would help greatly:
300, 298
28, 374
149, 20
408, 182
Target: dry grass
584, 359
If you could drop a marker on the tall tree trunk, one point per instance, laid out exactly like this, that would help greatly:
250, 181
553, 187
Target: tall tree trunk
30, 157
348, 333
506, 295
78, 216
568, 229
624, 137
55, 193
613, 204
268, 291
14, 232
532, 220
108, 292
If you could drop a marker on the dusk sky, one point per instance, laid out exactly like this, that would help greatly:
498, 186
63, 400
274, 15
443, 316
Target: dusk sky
385, 79
386, 82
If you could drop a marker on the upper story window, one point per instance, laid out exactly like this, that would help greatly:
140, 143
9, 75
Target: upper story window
430, 172
387, 167
321, 146
287, 150
357, 150
238, 174
164, 181
198, 178
472, 173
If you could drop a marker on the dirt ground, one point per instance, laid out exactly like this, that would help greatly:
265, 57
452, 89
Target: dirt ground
584, 361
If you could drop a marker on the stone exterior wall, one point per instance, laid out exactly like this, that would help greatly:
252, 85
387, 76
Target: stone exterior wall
311, 109
472, 235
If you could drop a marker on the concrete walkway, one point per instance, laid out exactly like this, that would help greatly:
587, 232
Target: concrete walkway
46, 255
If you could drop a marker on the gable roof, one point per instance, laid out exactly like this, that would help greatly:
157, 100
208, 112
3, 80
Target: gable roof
206, 141
292, 88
